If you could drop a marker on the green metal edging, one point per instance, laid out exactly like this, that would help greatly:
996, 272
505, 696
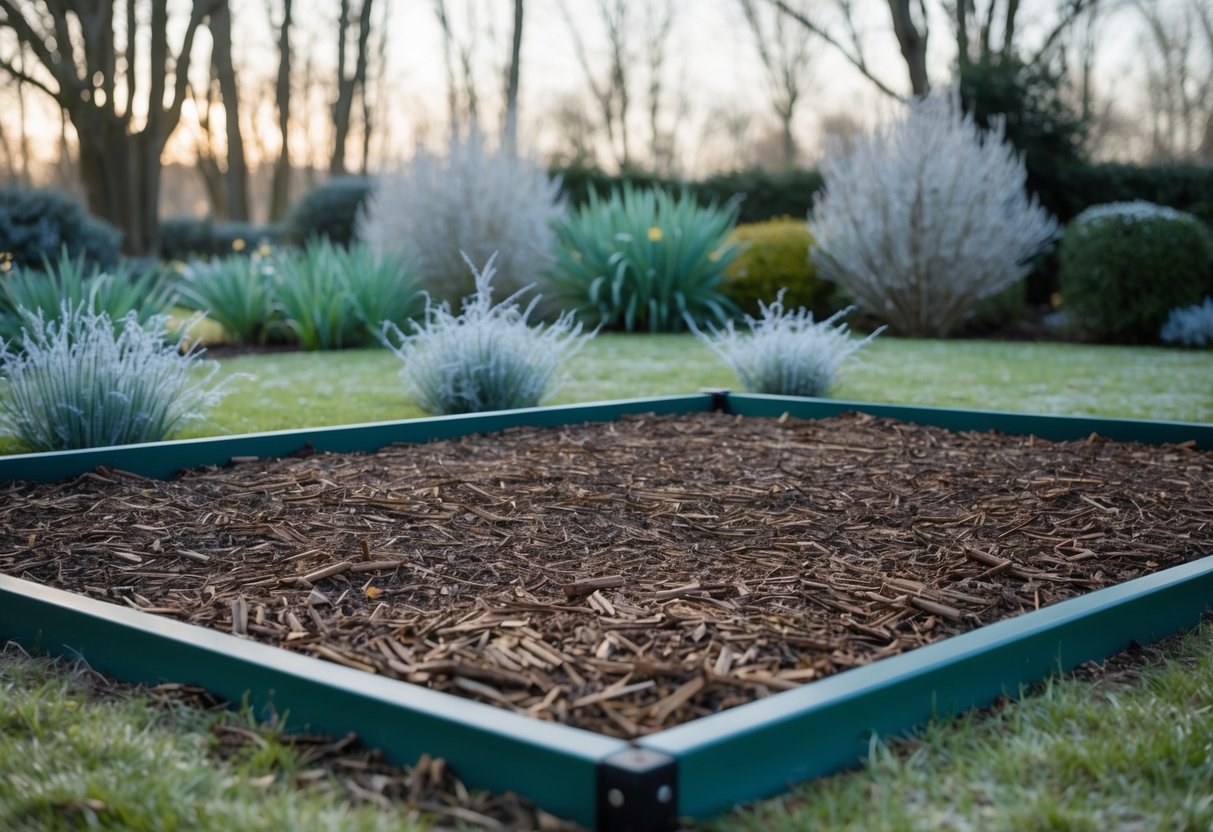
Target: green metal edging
704, 767
556, 765
161, 460
825, 726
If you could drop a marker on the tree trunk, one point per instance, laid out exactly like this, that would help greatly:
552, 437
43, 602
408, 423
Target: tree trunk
512, 78
280, 183
347, 86
237, 167
913, 45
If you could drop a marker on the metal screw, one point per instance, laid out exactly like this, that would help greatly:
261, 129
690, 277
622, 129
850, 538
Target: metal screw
665, 794
615, 798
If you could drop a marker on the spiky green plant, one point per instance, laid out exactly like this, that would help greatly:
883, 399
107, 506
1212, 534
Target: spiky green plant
70, 282
83, 380
645, 260
235, 292
786, 352
485, 358
332, 297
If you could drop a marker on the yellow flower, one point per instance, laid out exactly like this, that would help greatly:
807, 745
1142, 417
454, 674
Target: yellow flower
265, 250
6, 261
238, 244
714, 256
655, 234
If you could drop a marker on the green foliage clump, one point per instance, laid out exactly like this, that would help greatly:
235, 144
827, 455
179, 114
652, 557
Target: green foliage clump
70, 282
1125, 266
773, 256
37, 223
189, 238
645, 260
485, 358
84, 380
329, 211
235, 292
333, 297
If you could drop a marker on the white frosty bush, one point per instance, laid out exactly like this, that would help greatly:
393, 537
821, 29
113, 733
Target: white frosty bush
786, 353
472, 200
485, 358
1190, 326
926, 216
85, 381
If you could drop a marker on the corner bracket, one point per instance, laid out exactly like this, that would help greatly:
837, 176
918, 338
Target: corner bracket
637, 791
720, 398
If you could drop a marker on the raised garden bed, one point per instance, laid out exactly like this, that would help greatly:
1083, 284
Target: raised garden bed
631, 576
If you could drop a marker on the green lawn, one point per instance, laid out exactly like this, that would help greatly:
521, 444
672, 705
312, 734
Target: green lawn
1134, 754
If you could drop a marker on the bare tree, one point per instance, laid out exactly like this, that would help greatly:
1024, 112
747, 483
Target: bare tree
658, 23
350, 81
513, 76
1178, 42
236, 168
280, 183
76, 46
611, 95
787, 58
987, 32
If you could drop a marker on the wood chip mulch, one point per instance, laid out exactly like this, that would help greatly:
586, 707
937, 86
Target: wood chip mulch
629, 576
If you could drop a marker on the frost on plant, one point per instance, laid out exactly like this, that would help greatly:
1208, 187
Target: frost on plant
83, 380
485, 358
473, 200
1190, 326
786, 353
926, 216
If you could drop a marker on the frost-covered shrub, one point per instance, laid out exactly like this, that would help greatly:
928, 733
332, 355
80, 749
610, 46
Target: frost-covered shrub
472, 200
645, 260
1125, 265
926, 216
485, 358
84, 380
333, 297
785, 352
36, 224
69, 282
235, 292
1190, 326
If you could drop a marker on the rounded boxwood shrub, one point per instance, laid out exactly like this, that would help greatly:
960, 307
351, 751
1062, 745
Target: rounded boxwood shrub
1125, 265
774, 256
329, 211
38, 224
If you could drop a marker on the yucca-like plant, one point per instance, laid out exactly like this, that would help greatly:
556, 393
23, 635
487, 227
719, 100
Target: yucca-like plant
69, 283
645, 260
472, 200
786, 352
235, 292
926, 216
83, 380
332, 297
485, 358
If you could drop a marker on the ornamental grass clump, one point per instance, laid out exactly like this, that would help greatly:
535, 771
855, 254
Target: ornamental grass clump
645, 260
786, 352
927, 216
83, 380
485, 358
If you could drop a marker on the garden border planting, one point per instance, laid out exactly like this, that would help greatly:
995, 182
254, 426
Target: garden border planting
698, 769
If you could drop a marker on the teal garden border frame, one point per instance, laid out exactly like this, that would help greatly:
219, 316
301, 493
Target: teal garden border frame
698, 769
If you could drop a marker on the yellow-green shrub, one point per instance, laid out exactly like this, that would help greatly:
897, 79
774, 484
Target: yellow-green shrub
774, 255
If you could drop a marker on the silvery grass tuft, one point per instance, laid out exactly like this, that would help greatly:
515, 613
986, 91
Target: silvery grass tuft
472, 199
926, 216
785, 352
485, 358
1190, 326
83, 380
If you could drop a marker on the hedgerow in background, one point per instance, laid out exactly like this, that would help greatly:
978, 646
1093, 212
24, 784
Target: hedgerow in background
71, 282
1125, 266
36, 224
84, 380
773, 256
485, 358
189, 238
1190, 326
785, 352
235, 292
926, 216
472, 199
645, 260
333, 297
329, 211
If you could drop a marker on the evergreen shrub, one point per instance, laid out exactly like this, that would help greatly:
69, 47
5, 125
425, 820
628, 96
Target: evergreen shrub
329, 211
1124, 266
773, 257
36, 224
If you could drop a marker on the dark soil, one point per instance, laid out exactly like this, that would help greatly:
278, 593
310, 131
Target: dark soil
624, 577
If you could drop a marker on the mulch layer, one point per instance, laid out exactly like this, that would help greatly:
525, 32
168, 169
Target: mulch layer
629, 576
